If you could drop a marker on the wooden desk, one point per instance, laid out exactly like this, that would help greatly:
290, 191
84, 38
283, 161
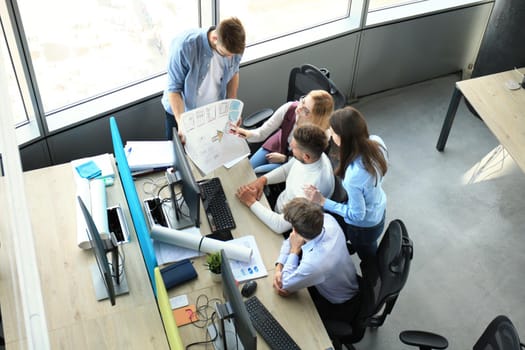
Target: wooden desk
297, 313
502, 110
75, 319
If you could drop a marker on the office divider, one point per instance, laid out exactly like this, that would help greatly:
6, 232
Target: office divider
172, 331
139, 221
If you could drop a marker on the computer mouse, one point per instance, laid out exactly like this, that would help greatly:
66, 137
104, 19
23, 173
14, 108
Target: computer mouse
248, 289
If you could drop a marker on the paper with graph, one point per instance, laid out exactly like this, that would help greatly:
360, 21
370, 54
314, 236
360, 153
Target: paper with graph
244, 271
209, 140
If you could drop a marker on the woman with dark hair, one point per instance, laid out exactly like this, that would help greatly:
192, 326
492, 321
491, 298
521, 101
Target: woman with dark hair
362, 166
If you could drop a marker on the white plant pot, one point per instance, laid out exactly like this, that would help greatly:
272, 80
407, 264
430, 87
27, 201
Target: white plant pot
216, 277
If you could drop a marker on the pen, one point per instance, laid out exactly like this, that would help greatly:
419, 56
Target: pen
129, 151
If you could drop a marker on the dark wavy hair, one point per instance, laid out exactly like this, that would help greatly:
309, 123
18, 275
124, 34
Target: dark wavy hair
231, 34
351, 127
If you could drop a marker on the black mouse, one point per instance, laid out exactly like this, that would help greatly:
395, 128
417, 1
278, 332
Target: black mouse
248, 289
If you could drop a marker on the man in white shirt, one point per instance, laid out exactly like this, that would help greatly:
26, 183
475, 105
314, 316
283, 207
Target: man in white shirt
309, 166
315, 257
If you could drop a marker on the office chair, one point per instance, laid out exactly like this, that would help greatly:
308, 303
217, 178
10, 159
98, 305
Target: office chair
301, 81
500, 334
383, 278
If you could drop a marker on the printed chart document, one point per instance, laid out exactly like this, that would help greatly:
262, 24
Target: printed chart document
209, 141
244, 271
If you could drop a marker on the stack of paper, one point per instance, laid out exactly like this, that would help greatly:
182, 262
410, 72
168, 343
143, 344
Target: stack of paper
149, 155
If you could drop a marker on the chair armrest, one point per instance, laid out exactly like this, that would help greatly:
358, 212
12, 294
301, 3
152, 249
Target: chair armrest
256, 118
425, 340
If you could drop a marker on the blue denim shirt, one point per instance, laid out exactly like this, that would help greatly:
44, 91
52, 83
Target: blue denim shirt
189, 62
366, 199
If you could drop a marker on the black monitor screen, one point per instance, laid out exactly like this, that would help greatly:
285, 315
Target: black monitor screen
241, 318
190, 189
99, 251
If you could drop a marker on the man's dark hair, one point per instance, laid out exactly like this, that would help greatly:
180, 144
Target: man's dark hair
231, 35
306, 217
311, 139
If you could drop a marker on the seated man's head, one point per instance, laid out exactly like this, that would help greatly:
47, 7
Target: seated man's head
230, 37
316, 107
306, 217
308, 143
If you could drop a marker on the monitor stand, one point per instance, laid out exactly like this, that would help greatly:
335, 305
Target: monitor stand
100, 286
174, 212
232, 340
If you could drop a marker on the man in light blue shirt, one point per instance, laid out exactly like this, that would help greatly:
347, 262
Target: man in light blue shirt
315, 255
203, 68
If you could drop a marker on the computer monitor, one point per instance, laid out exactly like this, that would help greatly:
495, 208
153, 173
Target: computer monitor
108, 279
235, 326
187, 211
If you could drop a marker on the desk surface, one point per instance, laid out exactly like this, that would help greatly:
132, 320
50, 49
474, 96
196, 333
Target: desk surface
75, 319
297, 313
502, 110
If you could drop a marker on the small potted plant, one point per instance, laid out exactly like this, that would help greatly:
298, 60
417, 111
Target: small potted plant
213, 263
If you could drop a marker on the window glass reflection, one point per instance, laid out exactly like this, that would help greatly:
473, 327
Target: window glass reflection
17, 108
264, 20
82, 49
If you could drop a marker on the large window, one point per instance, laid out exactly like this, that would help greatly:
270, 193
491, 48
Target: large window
375, 5
264, 20
19, 116
82, 49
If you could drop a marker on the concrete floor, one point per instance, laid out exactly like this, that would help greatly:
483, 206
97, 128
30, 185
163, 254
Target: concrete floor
464, 210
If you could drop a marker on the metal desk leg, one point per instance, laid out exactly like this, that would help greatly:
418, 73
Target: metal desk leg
447, 124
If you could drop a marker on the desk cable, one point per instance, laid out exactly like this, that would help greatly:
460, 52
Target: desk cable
202, 309
122, 260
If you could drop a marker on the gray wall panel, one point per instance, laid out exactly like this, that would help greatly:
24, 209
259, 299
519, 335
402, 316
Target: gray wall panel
35, 156
403, 53
144, 121
265, 83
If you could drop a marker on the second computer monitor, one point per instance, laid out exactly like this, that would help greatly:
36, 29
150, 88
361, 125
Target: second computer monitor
235, 329
109, 280
187, 209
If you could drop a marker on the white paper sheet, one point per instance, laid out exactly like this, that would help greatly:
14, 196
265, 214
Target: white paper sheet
209, 141
203, 244
244, 271
167, 253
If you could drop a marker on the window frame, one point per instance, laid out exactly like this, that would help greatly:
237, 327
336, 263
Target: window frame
43, 125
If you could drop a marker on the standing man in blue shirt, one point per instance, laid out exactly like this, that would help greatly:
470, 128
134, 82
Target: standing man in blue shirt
315, 256
203, 68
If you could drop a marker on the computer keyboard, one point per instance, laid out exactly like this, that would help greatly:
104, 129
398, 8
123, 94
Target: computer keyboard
215, 205
268, 327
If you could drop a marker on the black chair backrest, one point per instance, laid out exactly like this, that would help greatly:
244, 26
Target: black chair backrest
386, 275
500, 334
307, 78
